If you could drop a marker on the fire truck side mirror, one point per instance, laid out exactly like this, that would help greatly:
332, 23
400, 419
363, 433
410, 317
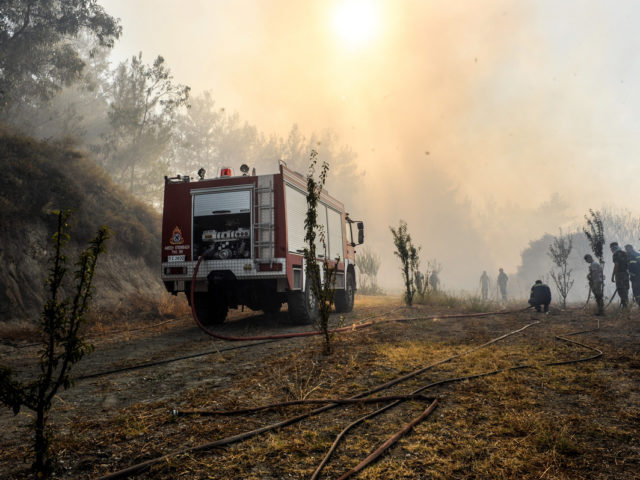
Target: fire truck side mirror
360, 233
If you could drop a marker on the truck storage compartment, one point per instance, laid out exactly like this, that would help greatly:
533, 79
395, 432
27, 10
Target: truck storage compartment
222, 221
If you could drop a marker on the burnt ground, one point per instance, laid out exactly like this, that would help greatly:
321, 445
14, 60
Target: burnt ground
571, 421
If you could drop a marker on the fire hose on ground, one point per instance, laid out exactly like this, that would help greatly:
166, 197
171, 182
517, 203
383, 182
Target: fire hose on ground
364, 397
316, 332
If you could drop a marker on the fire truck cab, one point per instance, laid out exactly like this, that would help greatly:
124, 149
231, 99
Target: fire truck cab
250, 231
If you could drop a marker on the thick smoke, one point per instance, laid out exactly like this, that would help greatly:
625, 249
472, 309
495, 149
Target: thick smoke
484, 125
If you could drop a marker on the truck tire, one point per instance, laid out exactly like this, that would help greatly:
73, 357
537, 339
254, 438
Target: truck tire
210, 310
303, 306
343, 299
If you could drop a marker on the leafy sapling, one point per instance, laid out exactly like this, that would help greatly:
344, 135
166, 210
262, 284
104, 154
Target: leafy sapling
62, 346
408, 255
323, 292
559, 252
594, 231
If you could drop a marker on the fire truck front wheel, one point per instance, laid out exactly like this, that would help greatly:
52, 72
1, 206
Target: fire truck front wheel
303, 306
344, 298
210, 311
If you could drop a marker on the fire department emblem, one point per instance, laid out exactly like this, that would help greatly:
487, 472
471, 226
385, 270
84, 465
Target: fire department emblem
176, 237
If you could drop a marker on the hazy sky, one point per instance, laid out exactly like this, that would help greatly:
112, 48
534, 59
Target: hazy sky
483, 124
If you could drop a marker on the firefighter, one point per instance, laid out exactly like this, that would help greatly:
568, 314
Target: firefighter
484, 284
634, 272
434, 281
502, 284
420, 282
620, 273
596, 282
540, 296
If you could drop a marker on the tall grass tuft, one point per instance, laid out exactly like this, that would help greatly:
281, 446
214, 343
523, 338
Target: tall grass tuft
464, 302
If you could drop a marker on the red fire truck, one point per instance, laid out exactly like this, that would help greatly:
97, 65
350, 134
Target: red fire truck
250, 231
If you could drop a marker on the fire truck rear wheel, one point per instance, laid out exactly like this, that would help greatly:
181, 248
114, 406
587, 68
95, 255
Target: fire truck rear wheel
344, 298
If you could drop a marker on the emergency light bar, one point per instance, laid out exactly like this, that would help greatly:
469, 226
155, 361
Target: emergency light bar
226, 172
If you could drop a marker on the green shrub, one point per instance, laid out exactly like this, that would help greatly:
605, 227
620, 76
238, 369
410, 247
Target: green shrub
62, 347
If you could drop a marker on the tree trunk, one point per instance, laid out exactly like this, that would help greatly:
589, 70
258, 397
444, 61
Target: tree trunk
42, 465
133, 170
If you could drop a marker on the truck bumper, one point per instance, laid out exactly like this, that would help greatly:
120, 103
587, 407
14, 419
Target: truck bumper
176, 275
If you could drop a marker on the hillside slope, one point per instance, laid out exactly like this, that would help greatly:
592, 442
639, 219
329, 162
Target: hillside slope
39, 177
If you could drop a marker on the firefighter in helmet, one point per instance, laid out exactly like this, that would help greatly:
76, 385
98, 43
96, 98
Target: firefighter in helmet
596, 282
634, 271
434, 281
620, 273
502, 284
484, 285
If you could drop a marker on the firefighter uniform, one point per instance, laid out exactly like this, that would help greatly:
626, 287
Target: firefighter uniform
434, 281
502, 284
620, 273
634, 271
596, 282
484, 285
540, 296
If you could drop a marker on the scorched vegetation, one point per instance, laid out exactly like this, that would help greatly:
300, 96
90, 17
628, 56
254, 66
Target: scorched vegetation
528, 416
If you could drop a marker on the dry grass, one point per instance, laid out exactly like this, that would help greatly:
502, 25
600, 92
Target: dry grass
564, 422
62, 177
134, 312
137, 311
461, 302
18, 332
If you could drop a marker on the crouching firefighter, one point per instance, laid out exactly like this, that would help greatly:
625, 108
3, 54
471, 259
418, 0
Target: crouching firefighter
540, 296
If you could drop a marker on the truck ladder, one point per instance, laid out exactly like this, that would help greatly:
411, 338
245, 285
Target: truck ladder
264, 225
